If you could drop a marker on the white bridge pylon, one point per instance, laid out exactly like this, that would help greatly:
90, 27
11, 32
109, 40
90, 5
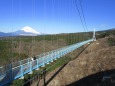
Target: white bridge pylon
94, 37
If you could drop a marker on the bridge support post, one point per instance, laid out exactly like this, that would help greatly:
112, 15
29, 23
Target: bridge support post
22, 75
48, 58
30, 67
37, 65
43, 62
52, 56
55, 55
60, 53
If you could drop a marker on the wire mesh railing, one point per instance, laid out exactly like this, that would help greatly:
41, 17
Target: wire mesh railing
20, 68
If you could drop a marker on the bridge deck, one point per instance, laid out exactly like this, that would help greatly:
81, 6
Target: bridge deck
19, 69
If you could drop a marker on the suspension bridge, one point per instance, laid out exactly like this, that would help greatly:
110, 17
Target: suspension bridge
19, 69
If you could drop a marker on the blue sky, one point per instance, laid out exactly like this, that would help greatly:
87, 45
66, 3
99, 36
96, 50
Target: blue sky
56, 16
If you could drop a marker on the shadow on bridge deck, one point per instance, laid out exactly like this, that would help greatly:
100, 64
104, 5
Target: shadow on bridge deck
105, 78
8, 77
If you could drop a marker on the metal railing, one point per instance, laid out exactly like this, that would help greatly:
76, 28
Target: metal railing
20, 68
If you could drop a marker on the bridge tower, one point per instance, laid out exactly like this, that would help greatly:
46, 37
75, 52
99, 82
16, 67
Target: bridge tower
94, 38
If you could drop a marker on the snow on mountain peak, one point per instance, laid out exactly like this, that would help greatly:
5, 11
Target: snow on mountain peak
29, 29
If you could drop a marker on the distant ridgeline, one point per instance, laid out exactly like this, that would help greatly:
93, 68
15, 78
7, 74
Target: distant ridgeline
102, 34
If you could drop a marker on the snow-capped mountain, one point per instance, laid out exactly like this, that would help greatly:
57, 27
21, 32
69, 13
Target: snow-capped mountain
26, 31
29, 29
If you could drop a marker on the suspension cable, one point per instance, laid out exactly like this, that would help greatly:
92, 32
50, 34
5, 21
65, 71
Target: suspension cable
31, 35
83, 15
20, 35
79, 14
44, 27
12, 31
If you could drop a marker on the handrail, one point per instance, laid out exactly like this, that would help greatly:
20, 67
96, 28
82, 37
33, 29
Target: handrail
23, 68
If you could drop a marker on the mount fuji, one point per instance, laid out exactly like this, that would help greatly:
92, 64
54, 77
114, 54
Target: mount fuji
25, 31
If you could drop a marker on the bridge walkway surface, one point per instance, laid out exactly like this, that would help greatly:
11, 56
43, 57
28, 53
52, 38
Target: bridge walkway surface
19, 69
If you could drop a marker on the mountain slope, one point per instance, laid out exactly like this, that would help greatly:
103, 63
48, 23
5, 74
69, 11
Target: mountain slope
99, 56
2, 34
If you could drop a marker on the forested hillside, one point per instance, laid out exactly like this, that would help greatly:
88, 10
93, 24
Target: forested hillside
13, 49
